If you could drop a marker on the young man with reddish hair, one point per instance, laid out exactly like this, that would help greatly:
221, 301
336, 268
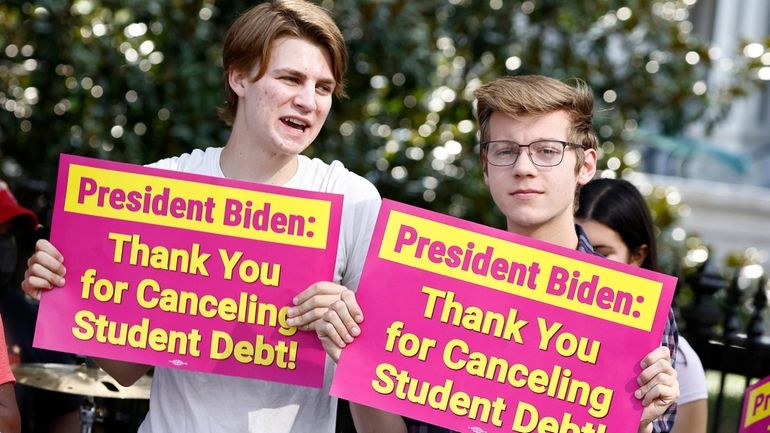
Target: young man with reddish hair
284, 60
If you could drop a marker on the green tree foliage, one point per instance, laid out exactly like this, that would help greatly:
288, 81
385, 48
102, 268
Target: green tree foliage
139, 80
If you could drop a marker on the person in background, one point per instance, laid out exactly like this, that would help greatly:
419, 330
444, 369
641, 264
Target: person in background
10, 421
619, 225
538, 148
41, 411
13, 219
284, 61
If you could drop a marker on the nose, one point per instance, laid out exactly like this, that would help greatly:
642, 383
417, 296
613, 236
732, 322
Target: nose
305, 99
524, 165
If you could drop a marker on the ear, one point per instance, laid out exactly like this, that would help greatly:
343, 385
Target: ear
638, 256
486, 178
587, 170
237, 81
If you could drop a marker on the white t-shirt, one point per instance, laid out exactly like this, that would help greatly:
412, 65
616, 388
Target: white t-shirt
184, 401
689, 371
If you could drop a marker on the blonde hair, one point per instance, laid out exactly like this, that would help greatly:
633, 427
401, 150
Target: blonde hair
249, 42
527, 95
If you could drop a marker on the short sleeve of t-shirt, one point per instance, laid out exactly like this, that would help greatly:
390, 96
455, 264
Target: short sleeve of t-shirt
689, 370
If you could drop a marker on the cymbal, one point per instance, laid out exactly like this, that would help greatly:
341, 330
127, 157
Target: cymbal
80, 380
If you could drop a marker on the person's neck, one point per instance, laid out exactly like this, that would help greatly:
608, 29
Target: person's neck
561, 233
249, 161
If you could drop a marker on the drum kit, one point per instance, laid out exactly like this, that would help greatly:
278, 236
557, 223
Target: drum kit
90, 382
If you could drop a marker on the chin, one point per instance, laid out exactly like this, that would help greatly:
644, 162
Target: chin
291, 147
526, 221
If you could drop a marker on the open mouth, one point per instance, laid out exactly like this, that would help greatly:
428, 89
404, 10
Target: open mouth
294, 123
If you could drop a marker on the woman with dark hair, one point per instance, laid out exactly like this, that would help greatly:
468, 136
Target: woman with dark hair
616, 218
618, 223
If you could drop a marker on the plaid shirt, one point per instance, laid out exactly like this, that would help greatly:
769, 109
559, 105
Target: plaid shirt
663, 424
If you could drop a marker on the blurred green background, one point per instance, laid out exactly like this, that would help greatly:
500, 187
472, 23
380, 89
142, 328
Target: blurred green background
139, 80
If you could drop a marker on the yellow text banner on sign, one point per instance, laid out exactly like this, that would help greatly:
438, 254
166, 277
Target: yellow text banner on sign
756, 407
222, 210
521, 270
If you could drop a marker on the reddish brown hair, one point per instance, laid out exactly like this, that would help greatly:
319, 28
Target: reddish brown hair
250, 38
527, 95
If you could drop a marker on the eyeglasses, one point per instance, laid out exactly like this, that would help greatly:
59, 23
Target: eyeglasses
542, 153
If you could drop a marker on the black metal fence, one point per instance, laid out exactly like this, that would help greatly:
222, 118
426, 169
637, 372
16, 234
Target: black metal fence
725, 324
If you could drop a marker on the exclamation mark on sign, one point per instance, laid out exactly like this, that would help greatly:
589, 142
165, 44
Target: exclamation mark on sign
292, 364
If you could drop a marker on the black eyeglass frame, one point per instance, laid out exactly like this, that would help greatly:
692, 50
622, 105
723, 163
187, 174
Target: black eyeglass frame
564, 144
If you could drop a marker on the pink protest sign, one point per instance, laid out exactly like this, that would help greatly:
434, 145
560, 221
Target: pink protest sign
193, 272
755, 416
477, 329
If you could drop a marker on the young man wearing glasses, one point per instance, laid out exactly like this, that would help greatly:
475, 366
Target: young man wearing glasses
538, 148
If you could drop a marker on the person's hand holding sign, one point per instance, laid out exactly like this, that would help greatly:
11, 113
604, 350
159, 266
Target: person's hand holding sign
659, 387
45, 270
339, 325
313, 303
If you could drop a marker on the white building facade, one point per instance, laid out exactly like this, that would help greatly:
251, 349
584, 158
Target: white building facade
727, 185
